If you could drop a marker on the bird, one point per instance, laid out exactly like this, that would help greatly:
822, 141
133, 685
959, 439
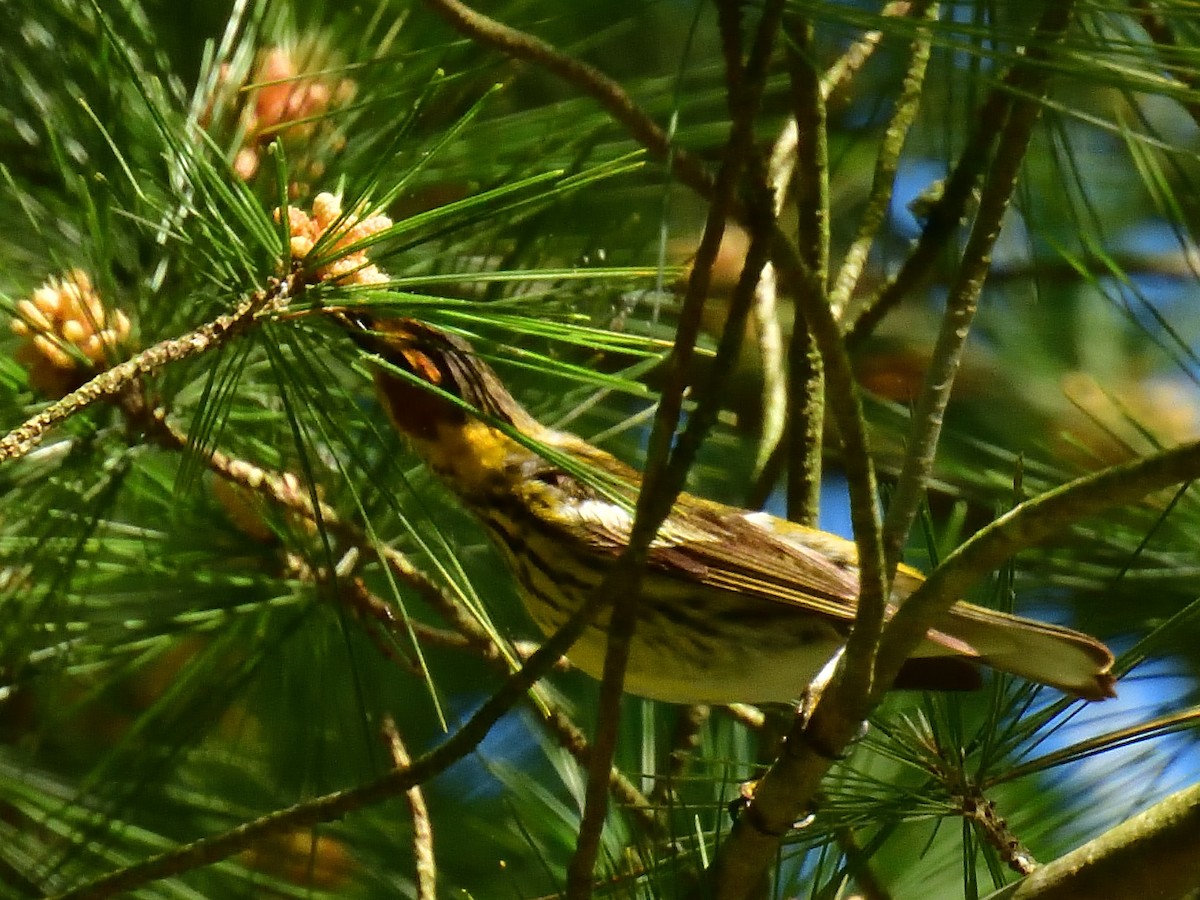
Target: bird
734, 605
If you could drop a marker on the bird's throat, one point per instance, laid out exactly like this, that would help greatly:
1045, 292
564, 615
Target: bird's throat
470, 456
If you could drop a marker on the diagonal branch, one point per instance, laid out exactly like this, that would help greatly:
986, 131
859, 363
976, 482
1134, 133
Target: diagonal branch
1034, 79
338, 804
281, 489
793, 780
1026, 525
112, 382
806, 387
887, 162
609, 93
1151, 855
666, 469
422, 825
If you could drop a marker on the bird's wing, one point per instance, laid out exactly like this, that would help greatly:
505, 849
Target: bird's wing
760, 555
722, 547
736, 551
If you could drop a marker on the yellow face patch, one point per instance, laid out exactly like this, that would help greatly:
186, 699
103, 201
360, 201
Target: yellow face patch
469, 454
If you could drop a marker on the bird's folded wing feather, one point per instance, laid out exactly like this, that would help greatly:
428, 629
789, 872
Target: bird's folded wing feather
720, 547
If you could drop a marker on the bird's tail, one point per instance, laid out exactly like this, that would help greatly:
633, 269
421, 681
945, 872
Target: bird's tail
1060, 657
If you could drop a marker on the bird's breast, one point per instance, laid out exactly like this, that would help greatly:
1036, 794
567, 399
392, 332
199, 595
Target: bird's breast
470, 456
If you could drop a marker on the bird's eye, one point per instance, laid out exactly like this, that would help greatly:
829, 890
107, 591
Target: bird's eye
553, 478
539, 471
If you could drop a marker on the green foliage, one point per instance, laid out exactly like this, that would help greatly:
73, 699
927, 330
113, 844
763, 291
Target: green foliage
180, 654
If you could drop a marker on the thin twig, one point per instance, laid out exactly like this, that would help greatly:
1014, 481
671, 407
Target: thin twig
943, 220
684, 741
981, 812
369, 605
365, 606
666, 470
465, 631
886, 165
1152, 854
836, 77
335, 805
1026, 525
387, 630
282, 490
624, 583
607, 92
962, 302
422, 838
120, 377
810, 188
848, 64
806, 426
810, 183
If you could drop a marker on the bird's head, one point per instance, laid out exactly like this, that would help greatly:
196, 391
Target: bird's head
422, 372
436, 358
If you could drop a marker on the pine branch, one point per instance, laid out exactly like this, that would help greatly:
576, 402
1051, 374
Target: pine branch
1151, 855
121, 377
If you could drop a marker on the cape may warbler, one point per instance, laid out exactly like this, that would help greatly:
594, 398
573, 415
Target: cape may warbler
734, 606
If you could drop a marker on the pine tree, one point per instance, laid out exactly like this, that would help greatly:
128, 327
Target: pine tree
919, 267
